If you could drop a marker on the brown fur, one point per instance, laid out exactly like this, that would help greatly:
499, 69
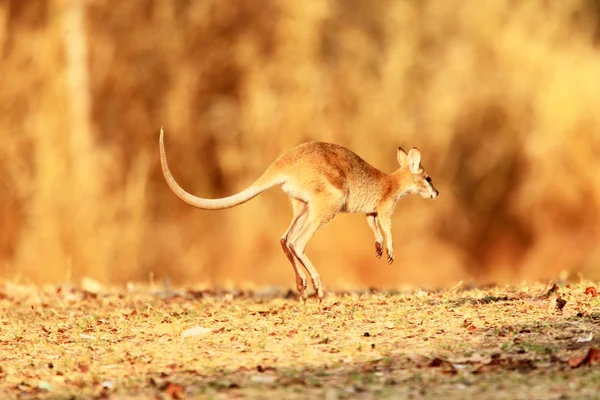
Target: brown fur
323, 179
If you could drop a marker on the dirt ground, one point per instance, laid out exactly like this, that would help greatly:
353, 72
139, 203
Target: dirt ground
517, 342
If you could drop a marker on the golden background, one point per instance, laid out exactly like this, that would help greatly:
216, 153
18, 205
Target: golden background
501, 97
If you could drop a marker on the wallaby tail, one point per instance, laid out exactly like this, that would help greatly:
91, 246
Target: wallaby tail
263, 183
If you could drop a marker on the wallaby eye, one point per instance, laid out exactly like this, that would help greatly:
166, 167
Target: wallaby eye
428, 179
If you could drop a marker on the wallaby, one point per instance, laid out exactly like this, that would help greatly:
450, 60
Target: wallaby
323, 179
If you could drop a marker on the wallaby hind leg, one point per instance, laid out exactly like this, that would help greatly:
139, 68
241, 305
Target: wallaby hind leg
384, 213
300, 212
318, 217
372, 221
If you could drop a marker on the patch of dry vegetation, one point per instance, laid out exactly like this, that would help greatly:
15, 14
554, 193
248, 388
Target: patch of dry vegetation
512, 342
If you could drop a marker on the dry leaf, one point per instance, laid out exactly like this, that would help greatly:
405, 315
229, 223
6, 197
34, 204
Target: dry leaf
266, 379
419, 360
485, 368
555, 303
292, 333
475, 358
195, 331
260, 368
167, 329
44, 385
87, 337
109, 385
552, 290
584, 339
467, 323
174, 390
591, 291
91, 285
592, 357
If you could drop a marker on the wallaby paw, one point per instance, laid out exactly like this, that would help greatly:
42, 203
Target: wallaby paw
318, 289
390, 256
300, 285
378, 249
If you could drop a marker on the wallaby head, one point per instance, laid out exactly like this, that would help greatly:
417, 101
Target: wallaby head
413, 177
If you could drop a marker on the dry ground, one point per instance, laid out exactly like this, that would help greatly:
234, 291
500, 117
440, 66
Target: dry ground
512, 342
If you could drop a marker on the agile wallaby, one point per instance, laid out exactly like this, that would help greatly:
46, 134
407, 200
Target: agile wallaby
323, 179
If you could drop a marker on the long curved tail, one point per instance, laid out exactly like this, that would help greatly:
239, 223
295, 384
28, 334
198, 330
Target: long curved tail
263, 183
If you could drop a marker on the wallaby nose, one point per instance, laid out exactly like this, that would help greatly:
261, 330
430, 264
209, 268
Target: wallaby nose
435, 194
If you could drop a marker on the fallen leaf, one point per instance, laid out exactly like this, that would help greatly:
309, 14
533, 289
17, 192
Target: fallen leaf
591, 291
83, 367
168, 328
485, 368
44, 385
592, 357
475, 358
420, 360
584, 339
555, 303
109, 385
174, 390
265, 379
535, 303
91, 285
575, 361
423, 361
467, 323
521, 365
260, 368
195, 331
292, 332
567, 313
552, 290
228, 298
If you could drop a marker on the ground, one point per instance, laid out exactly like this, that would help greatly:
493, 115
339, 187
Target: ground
517, 342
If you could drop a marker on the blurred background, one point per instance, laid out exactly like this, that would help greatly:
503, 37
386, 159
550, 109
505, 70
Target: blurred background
501, 97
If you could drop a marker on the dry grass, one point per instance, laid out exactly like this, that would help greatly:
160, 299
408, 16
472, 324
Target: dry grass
500, 97
509, 343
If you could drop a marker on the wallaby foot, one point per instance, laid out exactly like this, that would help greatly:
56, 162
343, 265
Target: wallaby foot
300, 277
314, 275
316, 281
378, 249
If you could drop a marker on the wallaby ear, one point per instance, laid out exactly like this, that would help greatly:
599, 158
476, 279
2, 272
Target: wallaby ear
414, 160
402, 157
